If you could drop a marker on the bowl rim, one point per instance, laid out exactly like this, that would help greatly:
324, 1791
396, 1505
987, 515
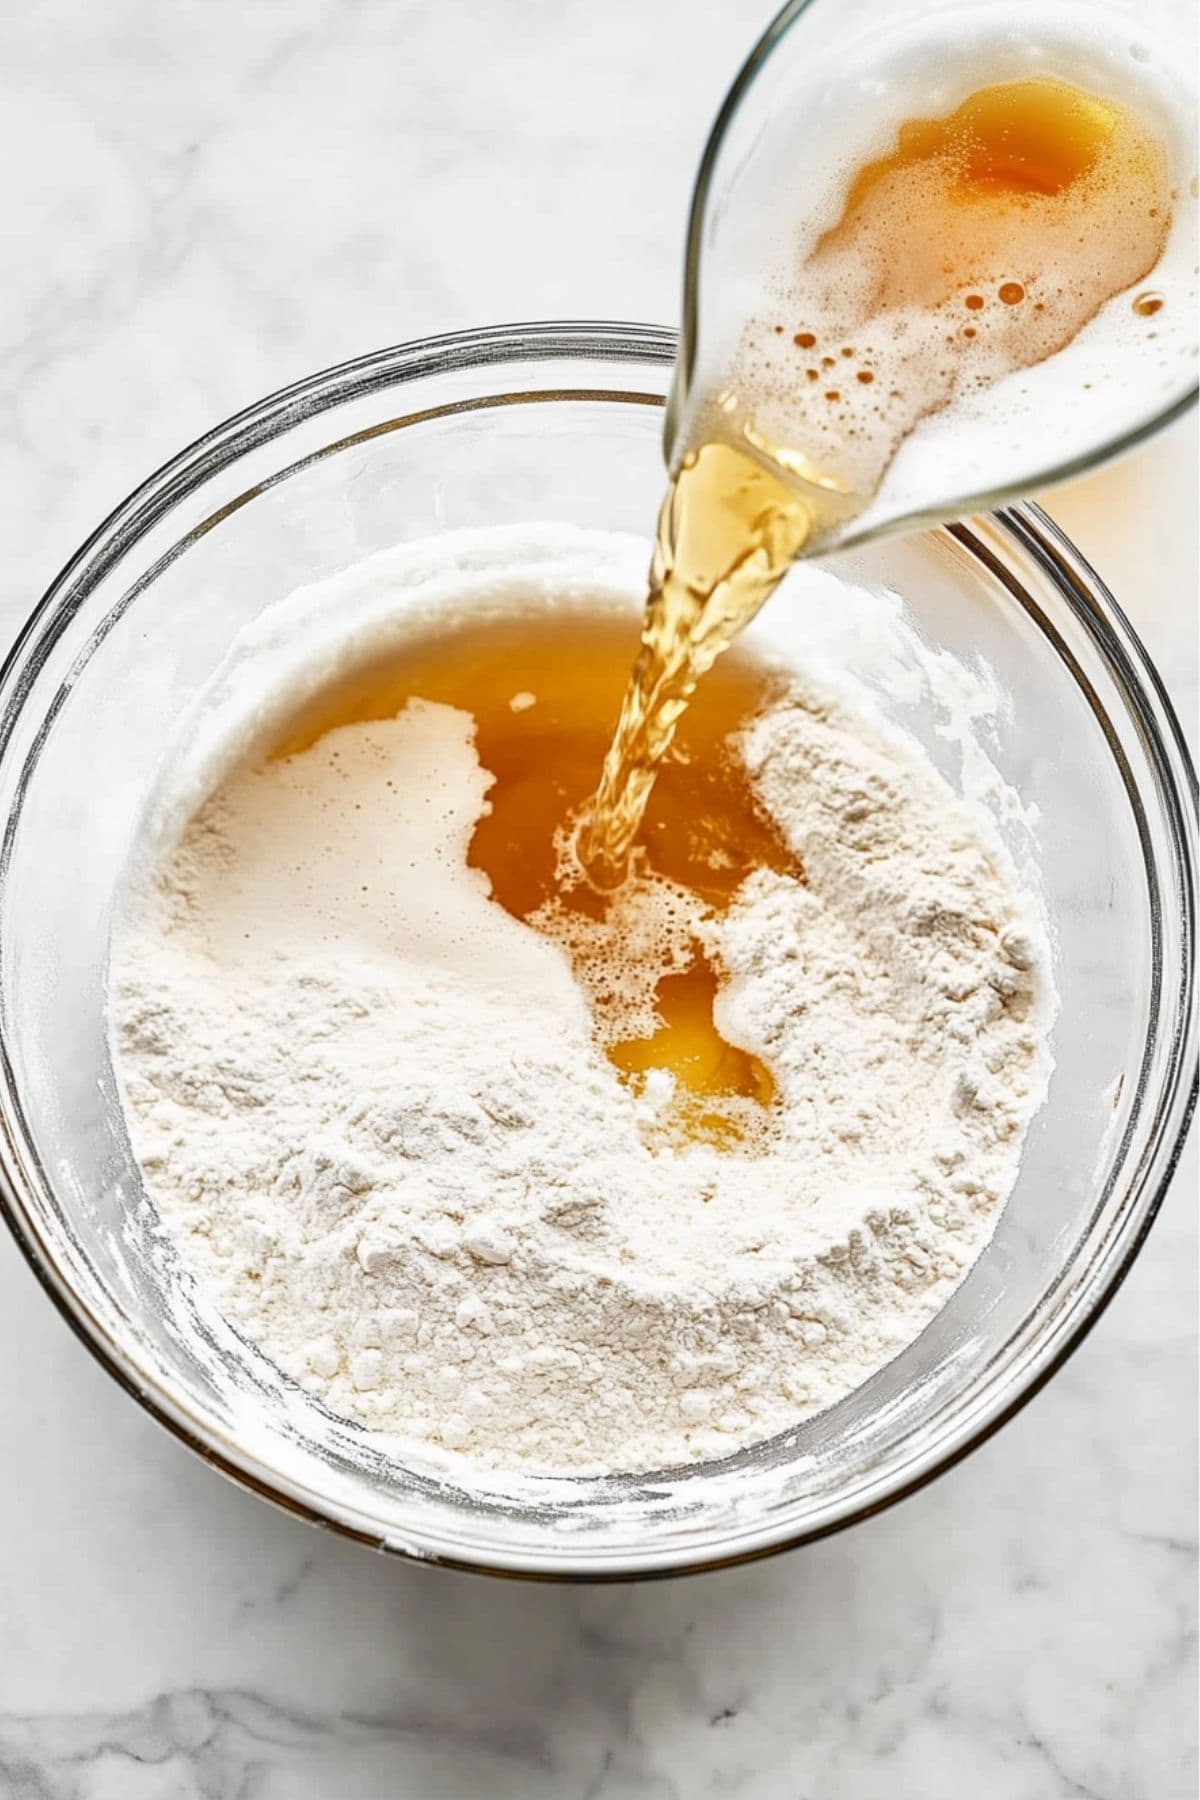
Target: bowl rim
1025, 525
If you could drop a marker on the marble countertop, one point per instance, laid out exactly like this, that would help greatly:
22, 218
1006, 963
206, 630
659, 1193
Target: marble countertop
201, 203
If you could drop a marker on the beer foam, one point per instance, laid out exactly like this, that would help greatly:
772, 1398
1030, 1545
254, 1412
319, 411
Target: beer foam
940, 326
648, 931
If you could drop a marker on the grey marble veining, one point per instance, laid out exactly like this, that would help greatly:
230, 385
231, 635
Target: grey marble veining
206, 202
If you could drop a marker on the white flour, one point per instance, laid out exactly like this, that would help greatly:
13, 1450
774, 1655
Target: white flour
370, 1107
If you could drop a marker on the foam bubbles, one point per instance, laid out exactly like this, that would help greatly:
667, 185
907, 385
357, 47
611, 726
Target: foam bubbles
971, 254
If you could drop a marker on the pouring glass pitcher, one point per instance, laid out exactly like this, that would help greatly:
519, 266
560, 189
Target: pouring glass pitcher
826, 92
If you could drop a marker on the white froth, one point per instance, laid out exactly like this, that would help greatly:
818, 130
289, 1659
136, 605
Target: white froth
804, 136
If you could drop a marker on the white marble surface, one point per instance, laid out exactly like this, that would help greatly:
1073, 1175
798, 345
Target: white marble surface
207, 200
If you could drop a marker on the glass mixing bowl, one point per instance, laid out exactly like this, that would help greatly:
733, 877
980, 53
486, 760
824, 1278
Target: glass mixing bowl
552, 422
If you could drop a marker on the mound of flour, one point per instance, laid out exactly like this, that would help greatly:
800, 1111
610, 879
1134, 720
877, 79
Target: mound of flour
370, 1107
